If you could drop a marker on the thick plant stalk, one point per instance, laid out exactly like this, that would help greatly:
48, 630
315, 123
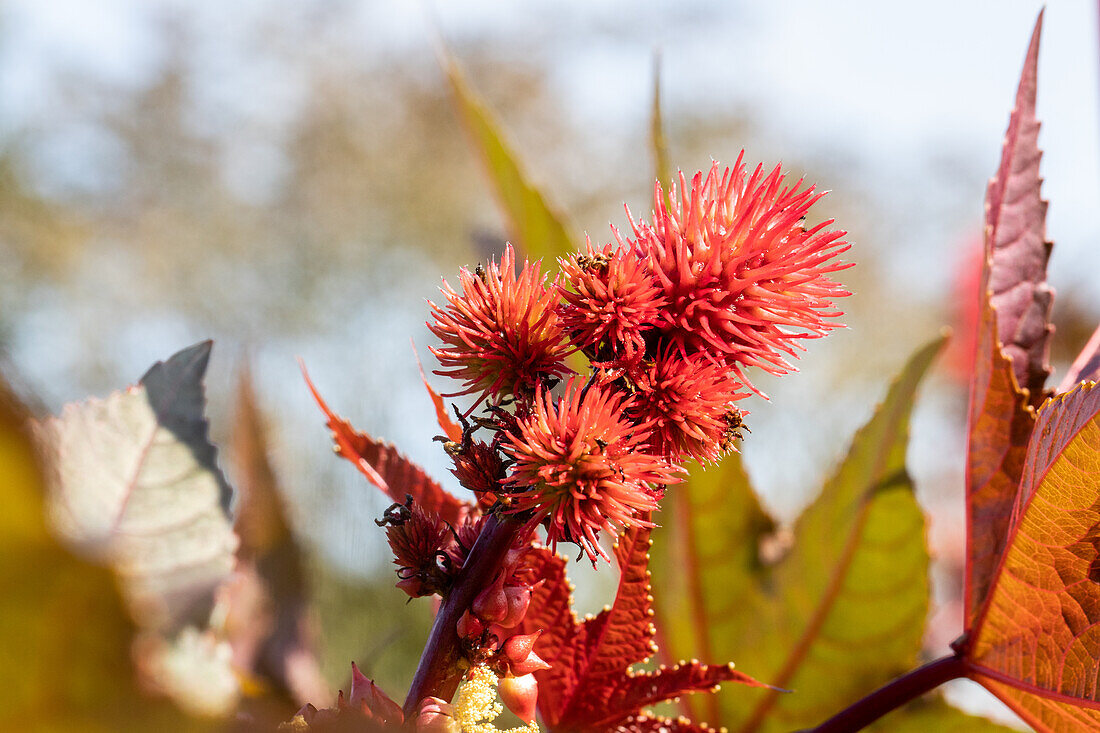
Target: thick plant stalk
894, 695
437, 674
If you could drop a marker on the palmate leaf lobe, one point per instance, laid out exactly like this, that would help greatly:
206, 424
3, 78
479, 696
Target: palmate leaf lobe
590, 686
388, 469
1013, 338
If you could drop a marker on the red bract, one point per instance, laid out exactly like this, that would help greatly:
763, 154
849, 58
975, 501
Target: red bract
580, 465
502, 335
611, 301
745, 281
685, 401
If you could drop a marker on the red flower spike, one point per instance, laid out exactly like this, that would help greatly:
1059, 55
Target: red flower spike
589, 685
502, 335
579, 465
685, 401
520, 695
745, 281
611, 301
479, 468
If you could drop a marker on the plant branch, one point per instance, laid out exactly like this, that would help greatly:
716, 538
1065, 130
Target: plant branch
437, 673
894, 695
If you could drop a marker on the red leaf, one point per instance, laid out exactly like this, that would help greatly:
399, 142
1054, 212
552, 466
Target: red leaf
1013, 334
389, 470
1036, 643
589, 685
656, 724
449, 427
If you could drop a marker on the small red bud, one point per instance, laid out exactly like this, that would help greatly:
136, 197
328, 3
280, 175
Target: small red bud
518, 598
533, 663
435, 717
367, 697
491, 604
520, 695
469, 626
520, 645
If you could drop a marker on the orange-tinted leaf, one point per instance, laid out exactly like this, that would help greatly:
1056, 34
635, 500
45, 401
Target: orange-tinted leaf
1038, 634
389, 470
1045, 714
1013, 337
449, 427
1000, 424
589, 685
267, 622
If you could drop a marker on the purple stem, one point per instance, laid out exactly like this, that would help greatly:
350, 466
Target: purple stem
437, 674
894, 695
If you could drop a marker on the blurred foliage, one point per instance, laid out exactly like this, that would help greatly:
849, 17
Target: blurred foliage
65, 635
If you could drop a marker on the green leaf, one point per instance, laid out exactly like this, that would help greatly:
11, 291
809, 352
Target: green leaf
707, 571
533, 225
841, 614
657, 139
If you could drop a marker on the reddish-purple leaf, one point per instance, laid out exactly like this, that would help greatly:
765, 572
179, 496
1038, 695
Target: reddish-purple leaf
387, 469
1013, 334
1016, 246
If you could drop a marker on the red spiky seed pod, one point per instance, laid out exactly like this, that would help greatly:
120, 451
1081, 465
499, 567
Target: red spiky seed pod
611, 300
685, 401
502, 335
478, 467
580, 466
417, 539
745, 281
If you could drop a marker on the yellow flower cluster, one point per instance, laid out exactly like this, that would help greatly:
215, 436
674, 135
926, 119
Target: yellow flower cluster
475, 704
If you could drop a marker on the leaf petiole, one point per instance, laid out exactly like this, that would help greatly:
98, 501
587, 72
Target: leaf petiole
902, 690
